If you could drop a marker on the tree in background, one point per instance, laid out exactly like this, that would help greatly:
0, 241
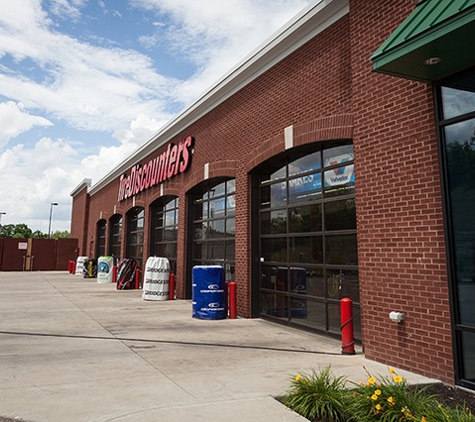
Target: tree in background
59, 234
22, 231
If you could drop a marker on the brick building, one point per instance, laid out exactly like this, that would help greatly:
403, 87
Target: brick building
337, 160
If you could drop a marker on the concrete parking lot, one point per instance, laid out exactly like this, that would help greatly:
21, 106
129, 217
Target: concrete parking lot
76, 350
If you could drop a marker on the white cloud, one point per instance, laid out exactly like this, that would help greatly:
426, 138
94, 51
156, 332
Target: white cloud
89, 87
108, 90
33, 178
215, 35
14, 121
70, 9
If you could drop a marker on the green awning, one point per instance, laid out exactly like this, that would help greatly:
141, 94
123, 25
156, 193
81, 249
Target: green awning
440, 31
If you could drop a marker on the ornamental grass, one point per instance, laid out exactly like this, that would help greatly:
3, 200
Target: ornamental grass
323, 397
319, 396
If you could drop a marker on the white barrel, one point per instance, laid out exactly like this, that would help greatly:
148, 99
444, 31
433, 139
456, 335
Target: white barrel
156, 279
80, 265
104, 269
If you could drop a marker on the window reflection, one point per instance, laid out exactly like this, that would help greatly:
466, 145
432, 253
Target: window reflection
460, 153
305, 219
458, 97
305, 164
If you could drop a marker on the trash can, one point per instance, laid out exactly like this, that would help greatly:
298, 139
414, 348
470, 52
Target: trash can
156, 279
104, 269
209, 292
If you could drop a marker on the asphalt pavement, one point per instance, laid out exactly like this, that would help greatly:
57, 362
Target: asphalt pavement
72, 349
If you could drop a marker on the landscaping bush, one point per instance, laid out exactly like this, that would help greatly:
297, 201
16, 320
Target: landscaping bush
323, 397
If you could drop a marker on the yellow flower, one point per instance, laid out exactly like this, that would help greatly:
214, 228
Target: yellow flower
423, 419
397, 379
378, 407
377, 392
374, 397
298, 378
391, 400
392, 371
371, 380
403, 410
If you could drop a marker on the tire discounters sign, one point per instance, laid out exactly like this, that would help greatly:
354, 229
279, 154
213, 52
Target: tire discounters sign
175, 160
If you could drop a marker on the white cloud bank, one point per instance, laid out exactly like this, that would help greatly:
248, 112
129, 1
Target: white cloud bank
48, 77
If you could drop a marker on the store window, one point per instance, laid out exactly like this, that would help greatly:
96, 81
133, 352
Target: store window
307, 249
101, 238
135, 232
457, 135
164, 228
115, 236
214, 225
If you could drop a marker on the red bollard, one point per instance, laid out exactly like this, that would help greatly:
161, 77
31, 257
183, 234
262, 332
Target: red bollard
171, 287
69, 266
347, 334
73, 267
232, 300
137, 279
114, 274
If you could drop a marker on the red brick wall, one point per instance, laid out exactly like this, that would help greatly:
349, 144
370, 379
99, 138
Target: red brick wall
400, 227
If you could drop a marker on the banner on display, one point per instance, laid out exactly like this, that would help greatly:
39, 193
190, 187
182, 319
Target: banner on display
175, 160
156, 279
339, 176
104, 269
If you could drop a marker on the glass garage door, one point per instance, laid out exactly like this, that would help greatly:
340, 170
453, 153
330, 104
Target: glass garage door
307, 240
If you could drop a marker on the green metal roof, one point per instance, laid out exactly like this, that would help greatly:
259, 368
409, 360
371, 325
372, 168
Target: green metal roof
443, 29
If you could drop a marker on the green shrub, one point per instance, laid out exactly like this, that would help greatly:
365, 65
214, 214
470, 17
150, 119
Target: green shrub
323, 397
318, 396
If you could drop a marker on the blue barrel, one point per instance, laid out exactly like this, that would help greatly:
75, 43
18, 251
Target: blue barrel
209, 292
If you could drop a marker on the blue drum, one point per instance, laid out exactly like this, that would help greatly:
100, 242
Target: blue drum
209, 292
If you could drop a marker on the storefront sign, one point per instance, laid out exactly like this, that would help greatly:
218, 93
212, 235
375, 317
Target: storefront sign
175, 160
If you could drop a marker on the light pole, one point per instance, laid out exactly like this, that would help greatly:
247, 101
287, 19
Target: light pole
1, 213
51, 218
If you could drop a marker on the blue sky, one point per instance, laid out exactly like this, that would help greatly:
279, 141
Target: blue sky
83, 83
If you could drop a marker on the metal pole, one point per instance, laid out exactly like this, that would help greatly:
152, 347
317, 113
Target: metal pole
1, 213
51, 218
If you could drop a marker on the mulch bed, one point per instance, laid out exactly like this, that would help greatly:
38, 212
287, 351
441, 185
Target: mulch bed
453, 397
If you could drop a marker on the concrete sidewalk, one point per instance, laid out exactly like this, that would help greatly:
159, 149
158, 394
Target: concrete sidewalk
75, 350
